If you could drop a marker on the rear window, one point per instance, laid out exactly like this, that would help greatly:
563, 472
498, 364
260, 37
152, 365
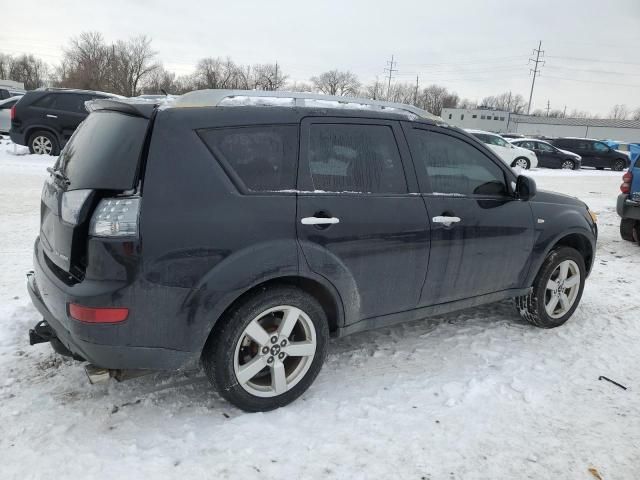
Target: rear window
103, 152
263, 157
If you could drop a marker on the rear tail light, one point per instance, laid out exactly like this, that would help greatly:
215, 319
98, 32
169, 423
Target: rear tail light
116, 217
12, 113
98, 315
627, 178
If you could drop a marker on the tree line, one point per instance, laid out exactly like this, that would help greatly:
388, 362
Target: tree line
131, 67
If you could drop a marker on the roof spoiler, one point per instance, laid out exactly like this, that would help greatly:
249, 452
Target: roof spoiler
136, 108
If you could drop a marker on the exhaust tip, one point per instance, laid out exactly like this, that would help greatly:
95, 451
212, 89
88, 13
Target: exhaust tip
96, 374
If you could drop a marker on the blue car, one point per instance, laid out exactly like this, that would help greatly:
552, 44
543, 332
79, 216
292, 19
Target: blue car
628, 206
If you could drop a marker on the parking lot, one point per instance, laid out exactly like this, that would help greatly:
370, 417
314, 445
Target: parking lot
476, 394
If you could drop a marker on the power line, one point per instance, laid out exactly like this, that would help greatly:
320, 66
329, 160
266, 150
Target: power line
593, 81
535, 71
597, 60
390, 69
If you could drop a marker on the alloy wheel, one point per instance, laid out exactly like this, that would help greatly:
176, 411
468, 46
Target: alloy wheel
275, 351
522, 163
567, 165
42, 145
562, 289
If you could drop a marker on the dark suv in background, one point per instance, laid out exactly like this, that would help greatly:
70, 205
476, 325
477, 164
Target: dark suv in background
45, 119
594, 153
550, 156
246, 235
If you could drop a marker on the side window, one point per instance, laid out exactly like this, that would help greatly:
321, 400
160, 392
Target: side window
544, 147
46, 101
600, 147
452, 166
70, 103
355, 158
499, 141
528, 145
264, 157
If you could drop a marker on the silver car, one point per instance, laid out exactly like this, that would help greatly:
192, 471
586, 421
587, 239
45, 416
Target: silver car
5, 113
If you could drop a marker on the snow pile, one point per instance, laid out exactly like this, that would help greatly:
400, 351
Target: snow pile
472, 395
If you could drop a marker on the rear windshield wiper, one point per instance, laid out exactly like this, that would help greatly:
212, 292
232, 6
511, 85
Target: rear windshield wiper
58, 175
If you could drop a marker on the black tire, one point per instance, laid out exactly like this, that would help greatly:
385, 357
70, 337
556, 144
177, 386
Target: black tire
532, 306
627, 226
36, 138
219, 351
568, 165
618, 165
599, 168
528, 166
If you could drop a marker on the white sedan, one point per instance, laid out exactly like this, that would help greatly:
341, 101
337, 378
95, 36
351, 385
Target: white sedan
5, 113
510, 154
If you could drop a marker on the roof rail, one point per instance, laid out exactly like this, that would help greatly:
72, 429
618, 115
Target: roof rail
213, 98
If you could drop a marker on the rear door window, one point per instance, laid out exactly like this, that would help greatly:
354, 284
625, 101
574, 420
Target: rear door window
71, 103
104, 151
45, 102
355, 158
264, 158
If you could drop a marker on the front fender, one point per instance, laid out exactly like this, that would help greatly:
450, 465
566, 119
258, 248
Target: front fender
556, 226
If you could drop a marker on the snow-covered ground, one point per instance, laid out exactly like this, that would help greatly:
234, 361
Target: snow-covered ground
472, 395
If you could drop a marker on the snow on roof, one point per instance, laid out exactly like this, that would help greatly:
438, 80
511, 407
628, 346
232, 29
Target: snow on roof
206, 98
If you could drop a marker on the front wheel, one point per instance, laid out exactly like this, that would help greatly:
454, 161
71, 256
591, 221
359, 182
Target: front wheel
522, 163
268, 350
619, 165
556, 291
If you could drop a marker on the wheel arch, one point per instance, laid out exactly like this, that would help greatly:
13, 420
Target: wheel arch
320, 289
38, 128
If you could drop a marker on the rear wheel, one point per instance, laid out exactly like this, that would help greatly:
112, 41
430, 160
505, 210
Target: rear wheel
556, 291
568, 165
619, 165
627, 228
522, 163
268, 350
43, 143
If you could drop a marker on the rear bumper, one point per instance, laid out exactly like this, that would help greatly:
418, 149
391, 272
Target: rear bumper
17, 137
112, 352
627, 208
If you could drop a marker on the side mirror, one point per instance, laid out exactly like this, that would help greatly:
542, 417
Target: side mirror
526, 187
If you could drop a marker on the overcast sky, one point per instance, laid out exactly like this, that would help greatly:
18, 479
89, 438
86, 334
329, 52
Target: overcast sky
476, 48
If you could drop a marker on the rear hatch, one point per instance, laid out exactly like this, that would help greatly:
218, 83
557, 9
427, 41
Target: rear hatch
102, 158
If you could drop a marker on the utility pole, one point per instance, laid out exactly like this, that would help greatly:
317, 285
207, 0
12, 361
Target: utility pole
390, 69
548, 107
535, 71
275, 86
564, 114
415, 95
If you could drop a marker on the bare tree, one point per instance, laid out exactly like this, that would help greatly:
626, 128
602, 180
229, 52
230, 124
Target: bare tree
619, 112
27, 69
335, 82
636, 114
434, 98
85, 63
506, 101
300, 87
132, 62
374, 90
269, 76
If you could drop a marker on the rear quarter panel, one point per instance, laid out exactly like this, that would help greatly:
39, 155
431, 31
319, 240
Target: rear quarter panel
203, 242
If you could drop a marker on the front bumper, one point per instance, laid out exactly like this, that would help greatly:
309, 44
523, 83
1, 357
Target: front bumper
51, 300
627, 208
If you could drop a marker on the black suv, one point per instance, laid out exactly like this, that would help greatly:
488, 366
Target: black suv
245, 236
45, 119
594, 153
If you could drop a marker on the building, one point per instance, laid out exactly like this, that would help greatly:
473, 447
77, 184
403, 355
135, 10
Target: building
10, 84
499, 121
